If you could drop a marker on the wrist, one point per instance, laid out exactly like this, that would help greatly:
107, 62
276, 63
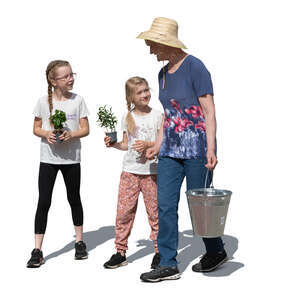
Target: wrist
46, 133
210, 151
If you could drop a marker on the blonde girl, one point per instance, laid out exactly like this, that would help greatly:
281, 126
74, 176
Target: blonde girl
140, 126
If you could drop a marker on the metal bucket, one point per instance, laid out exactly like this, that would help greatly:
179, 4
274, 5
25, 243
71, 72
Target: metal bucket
208, 210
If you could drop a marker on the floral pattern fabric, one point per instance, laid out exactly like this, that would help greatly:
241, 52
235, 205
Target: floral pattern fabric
129, 189
184, 126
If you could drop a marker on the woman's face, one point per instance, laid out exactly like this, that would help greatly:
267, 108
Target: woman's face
161, 51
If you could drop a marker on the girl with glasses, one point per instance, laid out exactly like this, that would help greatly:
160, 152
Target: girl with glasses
59, 153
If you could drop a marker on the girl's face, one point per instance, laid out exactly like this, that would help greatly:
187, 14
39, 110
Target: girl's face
142, 95
63, 78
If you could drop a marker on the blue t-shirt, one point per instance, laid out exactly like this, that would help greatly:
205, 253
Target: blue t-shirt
184, 127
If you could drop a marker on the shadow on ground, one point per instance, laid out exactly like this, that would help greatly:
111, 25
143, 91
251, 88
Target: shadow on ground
193, 246
190, 247
92, 238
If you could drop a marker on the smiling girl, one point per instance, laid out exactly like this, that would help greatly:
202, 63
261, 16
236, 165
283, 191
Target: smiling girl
140, 126
64, 156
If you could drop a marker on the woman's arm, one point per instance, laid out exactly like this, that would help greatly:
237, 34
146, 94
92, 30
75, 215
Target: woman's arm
154, 150
208, 107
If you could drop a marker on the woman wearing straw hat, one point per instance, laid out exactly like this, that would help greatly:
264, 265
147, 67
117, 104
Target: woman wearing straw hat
186, 143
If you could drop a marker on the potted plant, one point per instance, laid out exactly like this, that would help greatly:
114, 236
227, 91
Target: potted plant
57, 121
107, 120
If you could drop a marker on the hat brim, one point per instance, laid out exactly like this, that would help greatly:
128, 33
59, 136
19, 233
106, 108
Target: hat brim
161, 39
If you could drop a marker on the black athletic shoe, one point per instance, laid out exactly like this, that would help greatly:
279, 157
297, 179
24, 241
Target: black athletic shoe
36, 259
161, 273
210, 262
117, 260
80, 250
155, 261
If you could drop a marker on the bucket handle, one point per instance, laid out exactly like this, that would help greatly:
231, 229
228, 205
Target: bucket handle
206, 177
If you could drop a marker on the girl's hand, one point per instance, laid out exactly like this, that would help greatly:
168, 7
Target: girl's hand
140, 146
66, 135
51, 137
151, 152
211, 160
107, 141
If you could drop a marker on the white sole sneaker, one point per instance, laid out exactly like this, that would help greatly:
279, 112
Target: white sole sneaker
173, 277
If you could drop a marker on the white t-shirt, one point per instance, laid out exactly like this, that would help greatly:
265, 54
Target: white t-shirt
147, 127
67, 152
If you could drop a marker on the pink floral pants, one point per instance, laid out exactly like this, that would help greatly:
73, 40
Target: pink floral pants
129, 189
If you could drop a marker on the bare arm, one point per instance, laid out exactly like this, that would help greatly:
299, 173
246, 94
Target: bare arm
160, 134
37, 128
40, 132
208, 107
154, 150
123, 145
84, 129
141, 146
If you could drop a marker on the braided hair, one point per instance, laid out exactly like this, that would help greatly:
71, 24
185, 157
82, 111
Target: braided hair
50, 71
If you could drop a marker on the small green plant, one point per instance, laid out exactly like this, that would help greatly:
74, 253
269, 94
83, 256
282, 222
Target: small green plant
58, 119
106, 118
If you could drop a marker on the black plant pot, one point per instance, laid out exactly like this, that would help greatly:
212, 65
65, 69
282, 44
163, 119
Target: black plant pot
57, 134
113, 136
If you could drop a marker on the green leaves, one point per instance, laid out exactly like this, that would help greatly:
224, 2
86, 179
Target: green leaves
106, 118
58, 119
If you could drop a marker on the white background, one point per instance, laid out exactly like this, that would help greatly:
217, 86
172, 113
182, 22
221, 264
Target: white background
251, 49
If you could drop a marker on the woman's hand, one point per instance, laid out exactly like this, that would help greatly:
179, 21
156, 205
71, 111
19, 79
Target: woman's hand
140, 146
51, 137
66, 135
107, 141
211, 160
152, 151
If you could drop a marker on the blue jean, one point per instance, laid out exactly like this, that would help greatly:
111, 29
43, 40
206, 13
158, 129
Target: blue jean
171, 172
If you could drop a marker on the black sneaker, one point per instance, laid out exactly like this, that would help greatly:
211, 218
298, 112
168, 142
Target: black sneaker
117, 260
161, 273
210, 262
80, 250
155, 261
36, 259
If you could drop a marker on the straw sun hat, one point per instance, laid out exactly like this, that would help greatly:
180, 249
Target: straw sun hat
163, 31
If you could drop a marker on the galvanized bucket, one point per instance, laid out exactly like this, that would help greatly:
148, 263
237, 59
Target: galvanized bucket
208, 210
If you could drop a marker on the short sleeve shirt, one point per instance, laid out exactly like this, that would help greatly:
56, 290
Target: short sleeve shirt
67, 152
147, 127
184, 127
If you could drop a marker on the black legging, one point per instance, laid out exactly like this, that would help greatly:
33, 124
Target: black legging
47, 176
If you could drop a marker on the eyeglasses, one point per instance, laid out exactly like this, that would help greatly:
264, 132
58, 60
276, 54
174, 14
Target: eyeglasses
67, 77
